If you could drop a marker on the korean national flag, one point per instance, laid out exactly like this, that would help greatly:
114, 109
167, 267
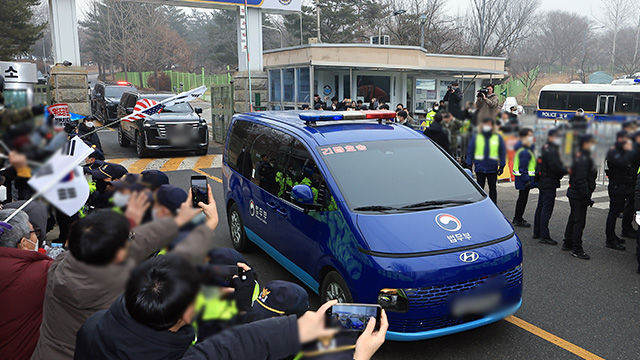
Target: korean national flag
60, 179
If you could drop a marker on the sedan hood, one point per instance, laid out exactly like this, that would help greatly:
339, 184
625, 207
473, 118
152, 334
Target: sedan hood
162, 116
436, 230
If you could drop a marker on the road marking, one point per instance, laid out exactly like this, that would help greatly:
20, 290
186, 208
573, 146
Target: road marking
188, 163
204, 162
172, 164
156, 164
208, 175
574, 349
138, 166
128, 162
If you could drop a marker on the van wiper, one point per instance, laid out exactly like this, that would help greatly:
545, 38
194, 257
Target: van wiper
375, 208
436, 203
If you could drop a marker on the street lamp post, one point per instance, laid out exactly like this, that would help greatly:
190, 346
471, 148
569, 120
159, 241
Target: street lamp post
484, 2
318, 19
395, 13
278, 30
423, 20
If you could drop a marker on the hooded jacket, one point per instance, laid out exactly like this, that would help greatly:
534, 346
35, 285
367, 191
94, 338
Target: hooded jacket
22, 284
76, 290
114, 334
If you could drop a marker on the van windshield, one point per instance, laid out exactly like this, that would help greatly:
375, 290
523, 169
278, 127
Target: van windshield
397, 175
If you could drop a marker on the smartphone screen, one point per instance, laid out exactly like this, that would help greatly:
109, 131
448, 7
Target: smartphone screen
199, 189
352, 317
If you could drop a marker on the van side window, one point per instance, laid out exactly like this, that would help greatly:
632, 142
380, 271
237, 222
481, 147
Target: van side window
237, 155
304, 171
268, 154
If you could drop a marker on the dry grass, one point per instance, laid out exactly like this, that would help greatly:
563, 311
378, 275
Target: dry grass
545, 79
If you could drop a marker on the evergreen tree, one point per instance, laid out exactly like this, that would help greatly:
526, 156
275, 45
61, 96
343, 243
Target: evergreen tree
18, 33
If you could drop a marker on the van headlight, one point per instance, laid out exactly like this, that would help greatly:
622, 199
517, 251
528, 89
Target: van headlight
393, 300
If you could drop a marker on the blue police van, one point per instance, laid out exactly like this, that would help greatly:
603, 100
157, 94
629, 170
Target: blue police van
364, 210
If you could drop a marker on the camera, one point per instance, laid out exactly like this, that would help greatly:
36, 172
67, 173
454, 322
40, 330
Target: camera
484, 91
219, 275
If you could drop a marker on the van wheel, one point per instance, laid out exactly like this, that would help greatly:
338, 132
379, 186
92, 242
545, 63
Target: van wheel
335, 288
236, 228
122, 139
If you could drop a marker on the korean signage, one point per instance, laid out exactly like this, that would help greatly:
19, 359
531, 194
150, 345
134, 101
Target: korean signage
243, 29
19, 72
282, 5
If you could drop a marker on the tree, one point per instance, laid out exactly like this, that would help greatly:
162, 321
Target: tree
562, 37
507, 23
18, 33
614, 17
291, 23
525, 67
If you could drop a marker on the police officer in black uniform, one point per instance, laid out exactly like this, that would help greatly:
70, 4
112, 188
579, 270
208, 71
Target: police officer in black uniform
620, 171
582, 183
549, 171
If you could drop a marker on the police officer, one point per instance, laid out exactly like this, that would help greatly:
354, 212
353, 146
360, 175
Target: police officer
524, 170
489, 154
10, 117
620, 171
582, 183
549, 171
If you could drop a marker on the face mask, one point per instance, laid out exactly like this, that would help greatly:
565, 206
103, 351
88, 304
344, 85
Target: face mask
530, 139
435, 108
592, 148
154, 214
35, 244
487, 128
88, 124
557, 141
120, 200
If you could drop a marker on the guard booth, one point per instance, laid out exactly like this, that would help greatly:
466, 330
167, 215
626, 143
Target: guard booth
222, 109
20, 80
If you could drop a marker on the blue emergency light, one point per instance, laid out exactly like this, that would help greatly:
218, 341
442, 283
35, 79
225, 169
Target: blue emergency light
316, 116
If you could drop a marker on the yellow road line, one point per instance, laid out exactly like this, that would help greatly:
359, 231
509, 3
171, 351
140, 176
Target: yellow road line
172, 164
116, 161
553, 339
207, 175
204, 162
139, 165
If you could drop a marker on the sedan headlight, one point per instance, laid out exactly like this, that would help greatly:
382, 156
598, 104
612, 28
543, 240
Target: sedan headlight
393, 300
148, 123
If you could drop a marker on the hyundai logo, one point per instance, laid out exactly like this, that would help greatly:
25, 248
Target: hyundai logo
469, 256
448, 222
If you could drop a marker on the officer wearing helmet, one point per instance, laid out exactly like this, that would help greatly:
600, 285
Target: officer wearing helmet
10, 117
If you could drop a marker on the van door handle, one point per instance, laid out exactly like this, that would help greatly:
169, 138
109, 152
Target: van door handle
271, 205
281, 213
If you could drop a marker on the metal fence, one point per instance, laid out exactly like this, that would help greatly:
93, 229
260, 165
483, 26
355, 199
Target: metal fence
181, 81
222, 108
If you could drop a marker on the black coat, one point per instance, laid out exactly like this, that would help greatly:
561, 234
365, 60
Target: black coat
437, 133
621, 171
275, 338
582, 179
454, 100
114, 334
550, 167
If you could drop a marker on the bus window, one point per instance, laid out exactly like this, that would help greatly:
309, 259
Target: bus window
586, 101
553, 100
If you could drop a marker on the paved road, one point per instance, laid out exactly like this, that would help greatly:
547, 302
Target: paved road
587, 307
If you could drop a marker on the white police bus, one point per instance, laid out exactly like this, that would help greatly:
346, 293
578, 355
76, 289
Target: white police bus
615, 102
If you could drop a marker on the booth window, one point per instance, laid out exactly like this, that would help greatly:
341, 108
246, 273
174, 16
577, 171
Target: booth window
288, 85
276, 85
304, 92
374, 87
15, 98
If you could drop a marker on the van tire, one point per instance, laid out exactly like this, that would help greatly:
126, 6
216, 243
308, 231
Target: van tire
236, 230
334, 287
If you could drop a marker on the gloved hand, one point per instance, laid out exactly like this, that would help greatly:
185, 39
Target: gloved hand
244, 285
527, 185
38, 109
638, 217
500, 170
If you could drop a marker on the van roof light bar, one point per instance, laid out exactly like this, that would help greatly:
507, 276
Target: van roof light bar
311, 117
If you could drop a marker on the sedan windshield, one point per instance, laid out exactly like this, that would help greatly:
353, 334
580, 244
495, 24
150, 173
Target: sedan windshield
116, 91
397, 175
177, 108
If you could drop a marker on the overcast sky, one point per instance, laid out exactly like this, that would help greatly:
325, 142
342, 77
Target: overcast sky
585, 7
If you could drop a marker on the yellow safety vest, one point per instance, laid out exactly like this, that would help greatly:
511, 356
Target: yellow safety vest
429, 117
494, 147
531, 170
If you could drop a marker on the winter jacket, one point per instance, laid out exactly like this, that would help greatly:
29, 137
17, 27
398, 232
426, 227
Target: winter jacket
487, 107
437, 133
524, 181
454, 100
486, 165
274, 338
76, 290
620, 170
114, 334
582, 178
22, 284
550, 167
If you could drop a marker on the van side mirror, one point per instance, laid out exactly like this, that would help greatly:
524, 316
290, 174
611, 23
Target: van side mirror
302, 195
198, 110
129, 111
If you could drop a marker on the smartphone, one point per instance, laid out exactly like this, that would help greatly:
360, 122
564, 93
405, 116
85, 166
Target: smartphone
219, 275
199, 189
352, 317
